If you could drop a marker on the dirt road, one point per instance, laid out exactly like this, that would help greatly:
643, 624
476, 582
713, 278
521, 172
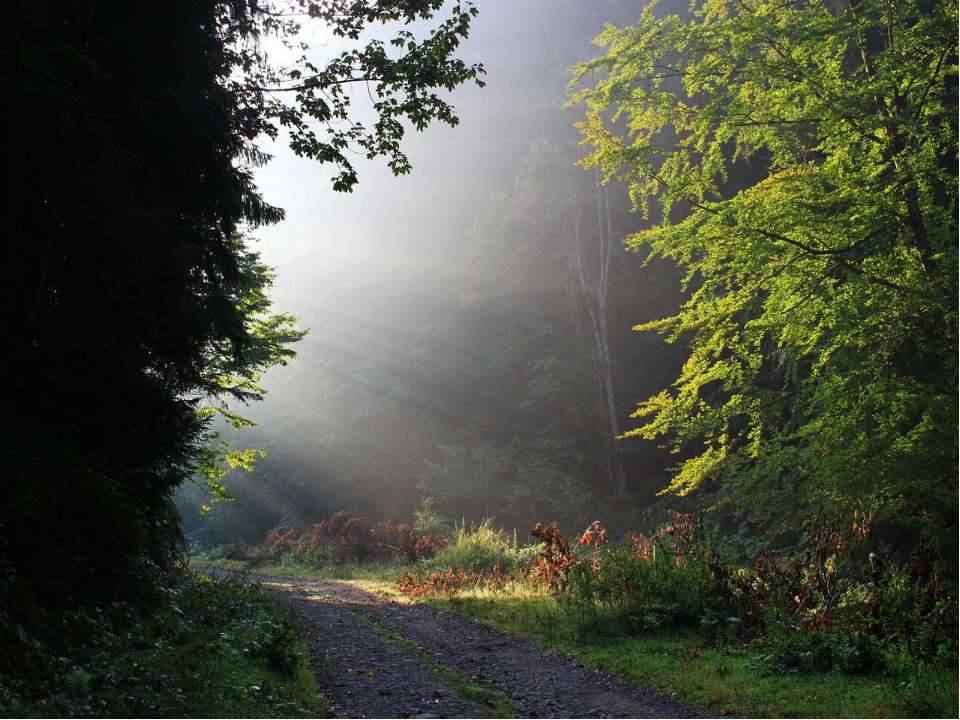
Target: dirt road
378, 658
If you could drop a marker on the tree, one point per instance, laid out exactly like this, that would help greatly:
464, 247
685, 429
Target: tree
594, 298
319, 119
134, 303
802, 158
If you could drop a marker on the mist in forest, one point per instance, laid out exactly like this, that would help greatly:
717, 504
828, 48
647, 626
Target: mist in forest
470, 324
646, 345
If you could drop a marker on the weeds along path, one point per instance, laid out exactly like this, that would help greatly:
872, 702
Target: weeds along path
378, 658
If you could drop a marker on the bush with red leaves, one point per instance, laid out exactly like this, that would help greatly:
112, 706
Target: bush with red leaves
281, 542
428, 546
351, 537
555, 559
452, 582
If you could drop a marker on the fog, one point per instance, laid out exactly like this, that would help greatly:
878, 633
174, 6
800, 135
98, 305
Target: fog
450, 351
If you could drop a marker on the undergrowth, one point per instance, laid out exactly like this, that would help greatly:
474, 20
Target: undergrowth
721, 675
833, 628
479, 548
286, 567
212, 648
836, 625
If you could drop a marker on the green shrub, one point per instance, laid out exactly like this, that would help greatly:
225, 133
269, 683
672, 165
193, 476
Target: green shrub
929, 691
232, 551
527, 554
790, 651
479, 549
618, 585
217, 552
920, 612
428, 521
316, 557
198, 653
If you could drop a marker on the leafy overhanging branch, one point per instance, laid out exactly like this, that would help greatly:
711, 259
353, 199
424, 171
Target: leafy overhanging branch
822, 319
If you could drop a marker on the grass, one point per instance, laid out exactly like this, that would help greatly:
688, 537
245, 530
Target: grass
475, 548
214, 649
724, 678
347, 571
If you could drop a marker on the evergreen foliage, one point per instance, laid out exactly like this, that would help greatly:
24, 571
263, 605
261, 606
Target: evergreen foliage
134, 308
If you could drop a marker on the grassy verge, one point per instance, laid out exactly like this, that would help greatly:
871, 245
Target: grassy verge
723, 677
213, 649
374, 572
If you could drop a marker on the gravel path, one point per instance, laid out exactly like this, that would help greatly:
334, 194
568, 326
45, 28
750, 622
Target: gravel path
378, 658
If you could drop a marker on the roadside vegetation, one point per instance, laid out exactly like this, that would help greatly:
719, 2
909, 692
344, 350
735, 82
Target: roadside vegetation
837, 625
140, 276
205, 648
771, 201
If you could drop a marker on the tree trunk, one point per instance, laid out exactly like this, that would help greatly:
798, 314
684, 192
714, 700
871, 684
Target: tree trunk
595, 301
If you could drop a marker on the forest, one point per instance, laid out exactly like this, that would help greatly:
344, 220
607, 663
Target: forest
466, 358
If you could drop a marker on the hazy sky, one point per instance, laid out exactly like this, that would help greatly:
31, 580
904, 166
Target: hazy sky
332, 242
383, 276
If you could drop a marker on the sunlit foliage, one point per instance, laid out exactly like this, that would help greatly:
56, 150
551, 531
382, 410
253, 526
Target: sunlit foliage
800, 160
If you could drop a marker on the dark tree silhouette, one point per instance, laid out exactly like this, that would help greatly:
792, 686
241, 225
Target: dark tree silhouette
130, 300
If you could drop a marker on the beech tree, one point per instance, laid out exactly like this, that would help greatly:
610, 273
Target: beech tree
800, 161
